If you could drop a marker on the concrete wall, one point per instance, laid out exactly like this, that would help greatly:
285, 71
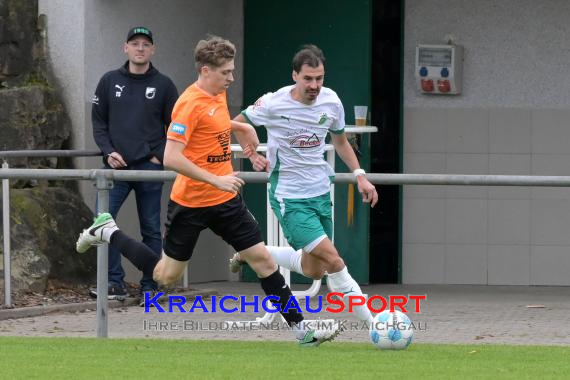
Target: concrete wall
512, 118
85, 39
66, 45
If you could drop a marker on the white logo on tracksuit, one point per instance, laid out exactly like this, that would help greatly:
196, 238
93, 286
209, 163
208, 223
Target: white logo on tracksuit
150, 92
120, 88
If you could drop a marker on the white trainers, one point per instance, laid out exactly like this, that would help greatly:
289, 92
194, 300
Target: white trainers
326, 330
235, 263
93, 235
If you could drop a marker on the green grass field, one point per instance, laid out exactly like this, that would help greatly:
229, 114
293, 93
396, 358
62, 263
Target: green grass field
91, 358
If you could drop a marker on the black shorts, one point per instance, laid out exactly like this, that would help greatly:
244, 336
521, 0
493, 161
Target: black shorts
230, 220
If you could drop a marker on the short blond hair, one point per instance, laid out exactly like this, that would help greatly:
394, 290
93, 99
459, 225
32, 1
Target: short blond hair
214, 51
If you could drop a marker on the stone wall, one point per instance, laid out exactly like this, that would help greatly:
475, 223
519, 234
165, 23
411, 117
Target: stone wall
45, 218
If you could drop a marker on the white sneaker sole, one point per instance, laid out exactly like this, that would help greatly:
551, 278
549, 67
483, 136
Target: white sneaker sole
85, 241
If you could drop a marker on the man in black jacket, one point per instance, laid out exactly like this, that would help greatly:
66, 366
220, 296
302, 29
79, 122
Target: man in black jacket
130, 114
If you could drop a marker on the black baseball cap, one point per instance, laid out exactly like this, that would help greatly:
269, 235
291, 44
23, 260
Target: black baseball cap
139, 31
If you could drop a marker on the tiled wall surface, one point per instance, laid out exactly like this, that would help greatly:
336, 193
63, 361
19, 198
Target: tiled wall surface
486, 235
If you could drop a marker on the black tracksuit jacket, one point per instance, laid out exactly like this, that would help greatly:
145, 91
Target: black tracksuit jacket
131, 113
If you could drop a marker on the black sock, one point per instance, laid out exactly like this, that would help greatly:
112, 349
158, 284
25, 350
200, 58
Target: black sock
274, 285
136, 252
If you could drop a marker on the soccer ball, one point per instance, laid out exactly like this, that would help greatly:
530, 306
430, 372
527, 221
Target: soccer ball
391, 331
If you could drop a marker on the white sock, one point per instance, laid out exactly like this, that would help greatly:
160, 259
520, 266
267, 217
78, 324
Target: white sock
343, 282
300, 330
108, 232
287, 257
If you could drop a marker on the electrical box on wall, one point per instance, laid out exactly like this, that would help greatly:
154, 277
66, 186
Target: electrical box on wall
439, 69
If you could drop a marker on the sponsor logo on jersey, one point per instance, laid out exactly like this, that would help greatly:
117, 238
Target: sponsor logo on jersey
305, 141
323, 118
224, 141
178, 128
258, 103
219, 158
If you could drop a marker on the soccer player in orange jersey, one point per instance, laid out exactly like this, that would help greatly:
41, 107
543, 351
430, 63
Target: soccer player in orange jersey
206, 191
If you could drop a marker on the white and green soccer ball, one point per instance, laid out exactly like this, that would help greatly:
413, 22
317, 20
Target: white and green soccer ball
391, 331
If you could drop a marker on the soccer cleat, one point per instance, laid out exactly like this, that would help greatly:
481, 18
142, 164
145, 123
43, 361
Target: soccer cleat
115, 293
93, 235
327, 330
236, 263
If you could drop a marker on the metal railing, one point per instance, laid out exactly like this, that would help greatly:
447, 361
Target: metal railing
48, 153
103, 180
4, 155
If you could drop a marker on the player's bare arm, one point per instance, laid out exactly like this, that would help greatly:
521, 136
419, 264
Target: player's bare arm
240, 124
174, 159
245, 134
346, 154
259, 162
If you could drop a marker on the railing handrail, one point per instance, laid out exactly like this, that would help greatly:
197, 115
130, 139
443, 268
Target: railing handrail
49, 153
254, 177
236, 148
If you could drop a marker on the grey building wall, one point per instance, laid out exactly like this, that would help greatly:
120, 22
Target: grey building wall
85, 39
516, 51
66, 46
513, 117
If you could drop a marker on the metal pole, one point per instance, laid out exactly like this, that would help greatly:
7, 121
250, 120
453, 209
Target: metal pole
331, 161
185, 278
6, 230
103, 185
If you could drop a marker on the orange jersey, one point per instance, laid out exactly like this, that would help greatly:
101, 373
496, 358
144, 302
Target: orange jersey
202, 123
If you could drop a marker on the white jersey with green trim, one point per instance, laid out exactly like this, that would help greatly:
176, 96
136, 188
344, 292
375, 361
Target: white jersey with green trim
296, 135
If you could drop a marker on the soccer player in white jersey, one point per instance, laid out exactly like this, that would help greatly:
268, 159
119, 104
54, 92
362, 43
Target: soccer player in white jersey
297, 119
